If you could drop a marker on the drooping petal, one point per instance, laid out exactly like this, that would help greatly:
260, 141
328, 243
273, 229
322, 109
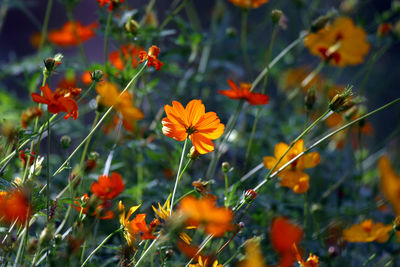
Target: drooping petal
202, 144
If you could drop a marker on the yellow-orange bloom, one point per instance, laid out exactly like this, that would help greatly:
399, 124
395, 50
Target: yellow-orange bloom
204, 211
248, 3
367, 231
192, 121
293, 175
254, 256
204, 263
123, 103
312, 260
72, 34
390, 183
14, 207
341, 43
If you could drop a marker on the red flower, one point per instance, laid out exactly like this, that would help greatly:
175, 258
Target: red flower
72, 34
28, 115
151, 57
244, 93
24, 157
57, 102
108, 187
129, 54
14, 206
111, 3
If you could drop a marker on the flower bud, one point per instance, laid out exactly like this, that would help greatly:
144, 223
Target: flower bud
96, 75
276, 15
384, 29
348, 6
51, 63
310, 98
32, 246
225, 167
65, 141
100, 107
193, 154
320, 22
132, 26
396, 224
340, 102
231, 32
46, 235
250, 195
350, 113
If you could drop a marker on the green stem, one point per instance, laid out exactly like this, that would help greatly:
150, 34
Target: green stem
253, 129
179, 178
100, 245
178, 175
243, 39
106, 35
100, 121
48, 167
45, 24
85, 149
372, 257
173, 14
226, 189
146, 251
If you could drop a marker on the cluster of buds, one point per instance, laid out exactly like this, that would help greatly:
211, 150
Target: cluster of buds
51, 63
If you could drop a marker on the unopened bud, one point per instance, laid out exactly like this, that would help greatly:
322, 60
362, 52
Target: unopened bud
100, 107
310, 98
32, 245
193, 154
320, 22
94, 155
51, 63
169, 253
350, 113
231, 32
132, 26
65, 141
384, 29
96, 75
46, 235
250, 195
58, 239
276, 15
225, 167
240, 225
348, 6
396, 224
340, 101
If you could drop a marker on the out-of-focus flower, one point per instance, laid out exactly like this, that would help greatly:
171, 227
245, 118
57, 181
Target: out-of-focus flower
112, 4
294, 78
204, 212
244, 93
15, 206
101, 211
133, 229
86, 78
248, 3
254, 256
384, 29
390, 183
367, 231
108, 187
24, 157
293, 175
29, 114
192, 121
57, 102
69, 81
341, 43
204, 263
151, 57
283, 235
123, 103
71, 34
129, 54
312, 260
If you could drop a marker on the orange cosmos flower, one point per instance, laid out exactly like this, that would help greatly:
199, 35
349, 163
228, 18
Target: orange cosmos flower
137, 227
57, 102
341, 43
123, 103
312, 260
29, 114
248, 3
86, 77
204, 263
293, 175
129, 54
14, 207
283, 235
367, 231
244, 93
112, 4
204, 212
71, 34
107, 188
192, 121
390, 183
151, 57
293, 78
254, 256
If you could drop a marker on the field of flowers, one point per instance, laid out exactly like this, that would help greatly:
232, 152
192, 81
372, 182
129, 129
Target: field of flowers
245, 133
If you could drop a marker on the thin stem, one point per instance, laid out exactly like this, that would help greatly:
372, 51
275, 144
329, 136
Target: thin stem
226, 189
146, 251
243, 39
106, 35
178, 175
45, 24
100, 245
48, 167
85, 149
173, 14
100, 121
202, 246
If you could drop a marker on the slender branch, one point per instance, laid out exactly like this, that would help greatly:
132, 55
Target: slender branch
178, 175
